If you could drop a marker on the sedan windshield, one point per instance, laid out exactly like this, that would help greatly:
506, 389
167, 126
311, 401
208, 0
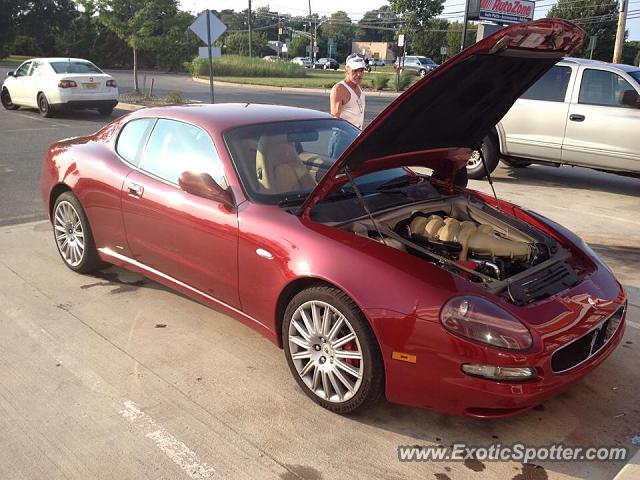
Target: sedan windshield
282, 162
75, 67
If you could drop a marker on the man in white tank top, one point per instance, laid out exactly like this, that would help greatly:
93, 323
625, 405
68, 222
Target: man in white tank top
347, 97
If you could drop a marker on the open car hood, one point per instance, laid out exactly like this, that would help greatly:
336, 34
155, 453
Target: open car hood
439, 119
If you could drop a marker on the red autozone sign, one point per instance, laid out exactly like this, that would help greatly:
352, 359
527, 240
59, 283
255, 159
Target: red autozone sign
506, 11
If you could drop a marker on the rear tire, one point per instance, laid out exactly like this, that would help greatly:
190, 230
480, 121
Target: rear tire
6, 100
105, 111
43, 106
72, 235
475, 169
341, 376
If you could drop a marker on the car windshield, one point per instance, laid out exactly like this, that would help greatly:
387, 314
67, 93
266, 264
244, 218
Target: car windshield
426, 61
75, 67
635, 75
284, 161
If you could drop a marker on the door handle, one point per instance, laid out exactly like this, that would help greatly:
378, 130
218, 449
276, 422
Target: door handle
576, 118
135, 190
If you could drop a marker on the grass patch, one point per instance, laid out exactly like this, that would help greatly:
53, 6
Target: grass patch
14, 60
239, 66
173, 98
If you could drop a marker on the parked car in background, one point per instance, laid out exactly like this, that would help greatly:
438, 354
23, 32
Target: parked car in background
373, 279
416, 64
581, 112
376, 62
304, 61
271, 58
54, 84
326, 64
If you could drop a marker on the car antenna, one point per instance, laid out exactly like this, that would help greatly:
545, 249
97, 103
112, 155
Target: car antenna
487, 173
364, 205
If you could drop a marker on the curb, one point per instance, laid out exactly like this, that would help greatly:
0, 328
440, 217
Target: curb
129, 107
323, 91
631, 471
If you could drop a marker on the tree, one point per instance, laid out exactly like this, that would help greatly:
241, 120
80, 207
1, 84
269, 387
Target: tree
9, 9
637, 60
339, 28
631, 52
41, 21
140, 23
417, 13
378, 25
427, 41
238, 43
596, 17
298, 46
454, 38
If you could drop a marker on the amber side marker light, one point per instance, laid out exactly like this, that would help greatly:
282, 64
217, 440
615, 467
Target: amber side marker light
403, 357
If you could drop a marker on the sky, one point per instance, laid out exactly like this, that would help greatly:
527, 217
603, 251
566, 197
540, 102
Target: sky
453, 10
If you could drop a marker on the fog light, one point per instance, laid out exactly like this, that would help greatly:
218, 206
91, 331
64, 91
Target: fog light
499, 373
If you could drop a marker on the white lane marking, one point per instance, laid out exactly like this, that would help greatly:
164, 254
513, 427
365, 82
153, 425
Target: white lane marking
33, 117
633, 324
173, 448
31, 129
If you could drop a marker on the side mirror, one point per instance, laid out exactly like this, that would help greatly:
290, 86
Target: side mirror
629, 98
202, 185
11, 74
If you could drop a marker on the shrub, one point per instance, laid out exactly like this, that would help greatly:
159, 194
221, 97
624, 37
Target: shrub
174, 98
380, 82
24, 45
239, 66
404, 81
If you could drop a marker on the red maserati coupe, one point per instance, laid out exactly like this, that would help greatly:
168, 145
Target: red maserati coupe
373, 278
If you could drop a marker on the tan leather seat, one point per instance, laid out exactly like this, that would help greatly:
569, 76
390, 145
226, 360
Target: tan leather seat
279, 168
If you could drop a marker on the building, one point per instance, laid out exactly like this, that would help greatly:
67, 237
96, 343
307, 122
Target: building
379, 50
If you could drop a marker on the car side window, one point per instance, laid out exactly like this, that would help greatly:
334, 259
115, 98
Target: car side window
552, 86
23, 69
132, 139
600, 87
36, 69
175, 147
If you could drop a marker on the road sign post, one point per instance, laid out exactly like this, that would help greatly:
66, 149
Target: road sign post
208, 28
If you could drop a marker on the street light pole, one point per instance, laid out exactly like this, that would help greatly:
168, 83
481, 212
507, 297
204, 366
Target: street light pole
622, 21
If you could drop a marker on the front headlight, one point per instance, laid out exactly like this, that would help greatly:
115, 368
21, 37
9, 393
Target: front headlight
485, 322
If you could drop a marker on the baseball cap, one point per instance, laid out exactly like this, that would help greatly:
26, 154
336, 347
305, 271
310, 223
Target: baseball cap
355, 61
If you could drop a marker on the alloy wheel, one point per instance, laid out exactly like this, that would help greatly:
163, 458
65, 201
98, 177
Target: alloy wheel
326, 351
474, 160
69, 233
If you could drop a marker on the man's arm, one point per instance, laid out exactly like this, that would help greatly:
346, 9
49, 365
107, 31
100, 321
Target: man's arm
337, 99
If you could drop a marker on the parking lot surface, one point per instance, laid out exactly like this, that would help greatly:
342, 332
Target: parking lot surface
115, 376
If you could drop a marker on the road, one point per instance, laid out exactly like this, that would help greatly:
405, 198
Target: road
115, 376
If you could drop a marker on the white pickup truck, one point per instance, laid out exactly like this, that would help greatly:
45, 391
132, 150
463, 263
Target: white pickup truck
582, 112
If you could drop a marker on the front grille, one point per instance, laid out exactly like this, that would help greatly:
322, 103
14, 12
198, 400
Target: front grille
585, 347
544, 283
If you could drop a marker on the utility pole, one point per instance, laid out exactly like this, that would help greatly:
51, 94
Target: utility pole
622, 22
464, 25
311, 32
249, 21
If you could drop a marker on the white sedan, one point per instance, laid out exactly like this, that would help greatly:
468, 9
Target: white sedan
53, 84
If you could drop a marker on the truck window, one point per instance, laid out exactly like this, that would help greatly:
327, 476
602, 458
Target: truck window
600, 87
552, 86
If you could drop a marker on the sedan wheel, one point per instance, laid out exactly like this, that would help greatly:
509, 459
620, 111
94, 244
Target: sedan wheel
43, 106
475, 169
73, 235
331, 350
6, 100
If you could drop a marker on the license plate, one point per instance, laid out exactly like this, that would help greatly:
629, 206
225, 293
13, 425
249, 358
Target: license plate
91, 86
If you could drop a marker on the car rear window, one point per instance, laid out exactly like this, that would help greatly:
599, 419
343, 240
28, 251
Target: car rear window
75, 67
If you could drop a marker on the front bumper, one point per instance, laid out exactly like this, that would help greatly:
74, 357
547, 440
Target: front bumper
436, 382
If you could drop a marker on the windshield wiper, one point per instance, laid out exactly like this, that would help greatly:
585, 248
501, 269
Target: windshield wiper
293, 200
398, 182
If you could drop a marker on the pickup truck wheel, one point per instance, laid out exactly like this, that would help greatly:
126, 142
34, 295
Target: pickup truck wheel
515, 163
475, 169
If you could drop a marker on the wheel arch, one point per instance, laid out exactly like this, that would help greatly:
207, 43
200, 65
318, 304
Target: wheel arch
56, 191
296, 286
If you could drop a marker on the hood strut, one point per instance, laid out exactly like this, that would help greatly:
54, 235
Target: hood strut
363, 203
488, 174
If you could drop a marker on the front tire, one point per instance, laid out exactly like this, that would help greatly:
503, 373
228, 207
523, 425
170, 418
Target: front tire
331, 350
475, 169
7, 103
515, 163
73, 236
43, 106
